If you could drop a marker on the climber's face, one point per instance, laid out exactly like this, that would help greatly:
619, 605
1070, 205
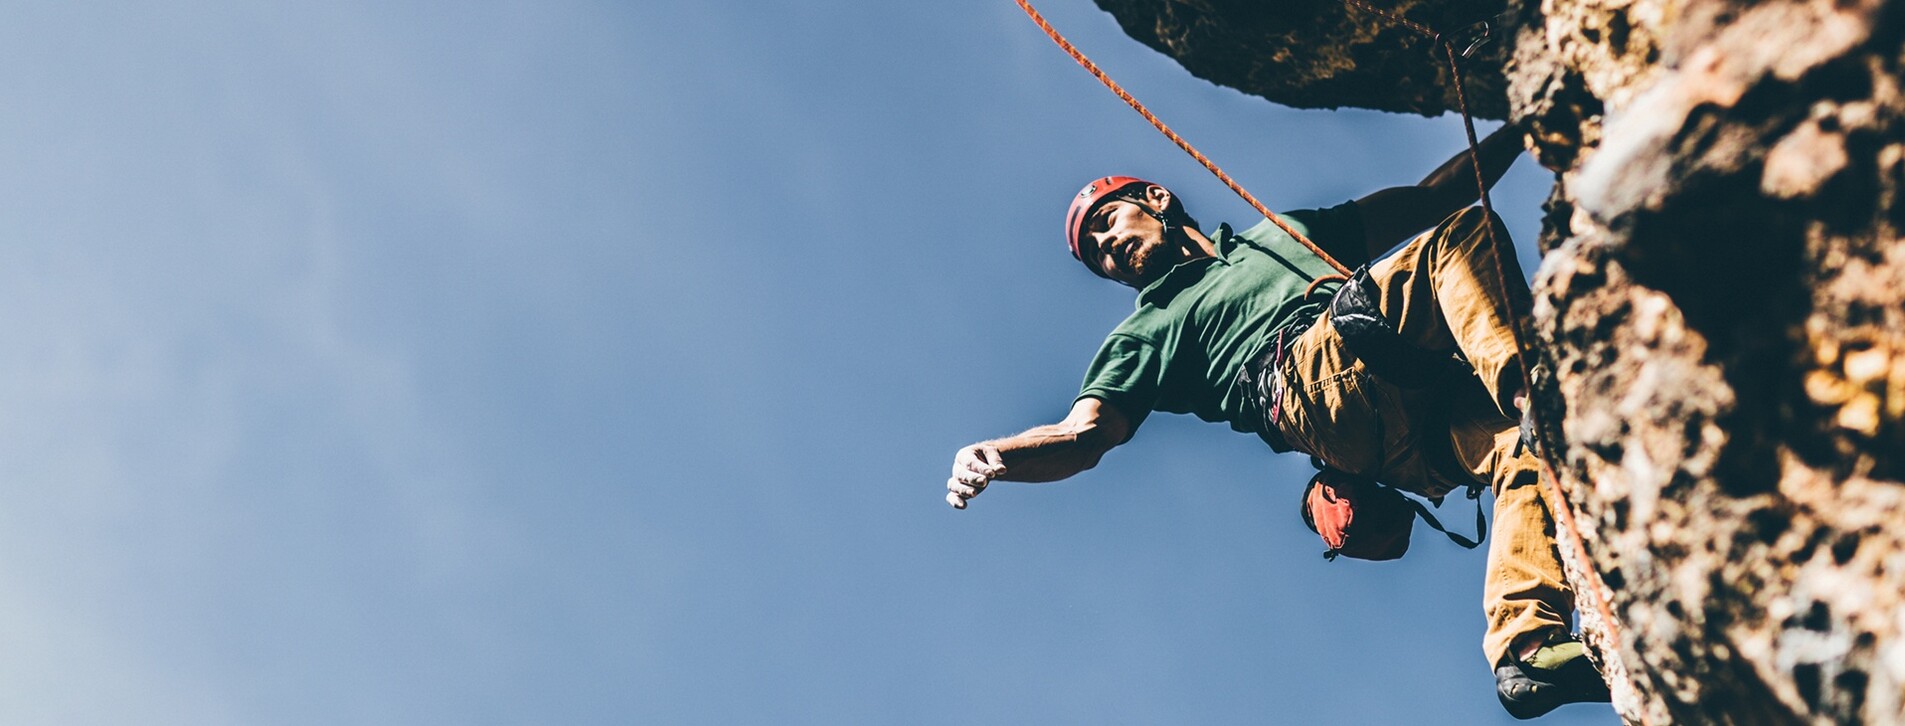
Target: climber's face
1130, 244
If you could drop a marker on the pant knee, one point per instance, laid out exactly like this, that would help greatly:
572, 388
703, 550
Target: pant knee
1471, 219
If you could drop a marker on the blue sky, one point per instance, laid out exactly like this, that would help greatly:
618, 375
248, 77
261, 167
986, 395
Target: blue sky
602, 363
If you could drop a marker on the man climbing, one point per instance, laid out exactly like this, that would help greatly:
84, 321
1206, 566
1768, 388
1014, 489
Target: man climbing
1232, 328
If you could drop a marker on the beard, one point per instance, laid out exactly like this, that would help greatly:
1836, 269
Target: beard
1147, 261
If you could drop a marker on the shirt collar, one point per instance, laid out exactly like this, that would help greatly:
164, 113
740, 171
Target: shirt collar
1225, 241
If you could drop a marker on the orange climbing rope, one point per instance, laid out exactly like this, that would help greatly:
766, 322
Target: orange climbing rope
1172, 135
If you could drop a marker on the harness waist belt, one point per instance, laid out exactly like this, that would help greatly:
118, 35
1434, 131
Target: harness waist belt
1263, 384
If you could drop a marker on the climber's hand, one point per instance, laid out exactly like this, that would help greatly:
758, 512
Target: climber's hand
973, 467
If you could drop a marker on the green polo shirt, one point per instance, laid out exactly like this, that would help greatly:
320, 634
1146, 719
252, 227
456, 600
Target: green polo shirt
1196, 326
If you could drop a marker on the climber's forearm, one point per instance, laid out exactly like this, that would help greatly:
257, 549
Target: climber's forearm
1043, 453
1056, 451
1049, 453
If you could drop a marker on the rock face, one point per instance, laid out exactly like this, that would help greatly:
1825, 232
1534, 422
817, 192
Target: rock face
1324, 53
1724, 310
1720, 311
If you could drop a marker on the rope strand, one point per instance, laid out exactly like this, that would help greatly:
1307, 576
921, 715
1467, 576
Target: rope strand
1172, 135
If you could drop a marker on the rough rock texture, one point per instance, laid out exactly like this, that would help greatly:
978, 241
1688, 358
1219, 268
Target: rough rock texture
1324, 53
1722, 307
1720, 311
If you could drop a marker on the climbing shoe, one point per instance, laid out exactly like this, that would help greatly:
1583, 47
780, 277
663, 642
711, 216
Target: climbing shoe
1557, 673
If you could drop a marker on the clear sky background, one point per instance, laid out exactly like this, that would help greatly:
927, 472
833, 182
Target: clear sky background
587, 362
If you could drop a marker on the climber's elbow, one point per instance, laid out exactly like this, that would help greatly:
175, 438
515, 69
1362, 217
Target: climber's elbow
1097, 427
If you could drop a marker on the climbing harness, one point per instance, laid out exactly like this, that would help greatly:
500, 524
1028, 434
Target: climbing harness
1357, 316
1260, 378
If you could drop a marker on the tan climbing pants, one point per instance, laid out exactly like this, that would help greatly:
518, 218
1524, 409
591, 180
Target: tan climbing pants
1440, 291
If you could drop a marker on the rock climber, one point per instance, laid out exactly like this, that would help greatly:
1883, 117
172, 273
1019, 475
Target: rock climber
1230, 327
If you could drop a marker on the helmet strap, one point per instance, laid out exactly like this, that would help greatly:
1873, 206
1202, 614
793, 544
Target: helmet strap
1161, 217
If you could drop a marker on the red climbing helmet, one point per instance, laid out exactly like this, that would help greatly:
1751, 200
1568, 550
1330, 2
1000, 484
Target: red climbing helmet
1082, 204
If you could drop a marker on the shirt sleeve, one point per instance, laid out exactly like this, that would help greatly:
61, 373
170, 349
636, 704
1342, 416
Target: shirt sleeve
1127, 373
1338, 230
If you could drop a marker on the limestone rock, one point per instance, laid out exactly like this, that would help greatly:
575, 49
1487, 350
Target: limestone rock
1724, 309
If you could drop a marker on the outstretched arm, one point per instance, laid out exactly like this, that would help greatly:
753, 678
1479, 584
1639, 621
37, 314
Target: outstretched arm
1043, 453
1392, 215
